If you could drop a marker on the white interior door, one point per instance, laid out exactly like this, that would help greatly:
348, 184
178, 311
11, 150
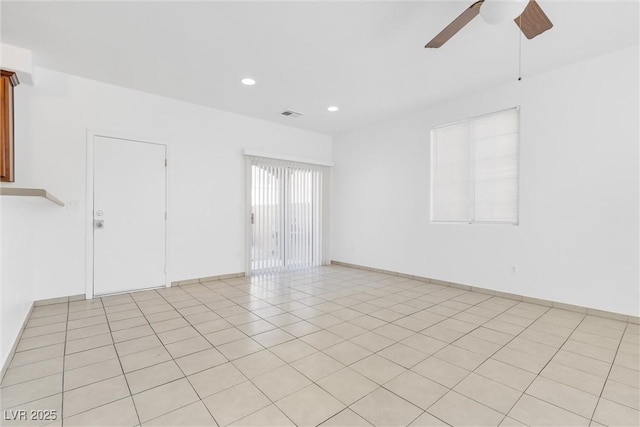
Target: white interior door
129, 213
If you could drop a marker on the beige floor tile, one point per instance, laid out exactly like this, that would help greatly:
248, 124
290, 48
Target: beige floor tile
167, 325
459, 410
627, 360
459, 356
490, 335
488, 392
268, 416
593, 351
346, 418
280, 382
256, 327
44, 330
624, 375
442, 333
423, 343
504, 327
119, 413
90, 374
193, 415
48, 320
89, 357
212, 326
93, 395
572, 377
137, 345
28, 391
622, 393
200, 361
240, 348
372, 342
292, 350
582, 363
89, 321
153, 376
347, 352
300, 329
613, 414
535, 412
258, 363
143, 359
477, 345
393, 332
176, 335
235, 403
347, 385
378, 369
22, 358
161, 400
428, 420
88, 343
127, 323
417, 389
321, 339
188, 346
225, 336
533, 363
561, 395
506, 374
309, 406
317, 365
368, 322
273, 338
440, 371
216, 379
510, 422
383, 408
32, 371
41, 341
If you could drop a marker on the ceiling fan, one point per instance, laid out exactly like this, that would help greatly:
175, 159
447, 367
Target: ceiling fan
532, 21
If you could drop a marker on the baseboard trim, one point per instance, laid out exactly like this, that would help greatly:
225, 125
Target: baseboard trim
207, 279
12, 352
539, 301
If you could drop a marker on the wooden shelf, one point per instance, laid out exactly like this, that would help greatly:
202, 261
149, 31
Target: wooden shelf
29, 192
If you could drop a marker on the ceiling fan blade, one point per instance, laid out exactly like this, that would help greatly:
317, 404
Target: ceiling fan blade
455, 26
533, 20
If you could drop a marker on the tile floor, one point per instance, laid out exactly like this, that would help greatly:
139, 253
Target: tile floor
331, 346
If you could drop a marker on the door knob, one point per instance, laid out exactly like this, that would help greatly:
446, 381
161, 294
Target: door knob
98, 223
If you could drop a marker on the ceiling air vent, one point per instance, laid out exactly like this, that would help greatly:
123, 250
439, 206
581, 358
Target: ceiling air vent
291, 114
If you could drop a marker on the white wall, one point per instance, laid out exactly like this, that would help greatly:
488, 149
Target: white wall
207, 178
577, 241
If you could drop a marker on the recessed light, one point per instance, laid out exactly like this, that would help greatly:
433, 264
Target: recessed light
332, 108
248, 82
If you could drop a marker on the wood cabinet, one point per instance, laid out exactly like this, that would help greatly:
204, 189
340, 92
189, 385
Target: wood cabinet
9, 80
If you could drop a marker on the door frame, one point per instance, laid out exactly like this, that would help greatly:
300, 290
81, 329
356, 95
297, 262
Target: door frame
91, 134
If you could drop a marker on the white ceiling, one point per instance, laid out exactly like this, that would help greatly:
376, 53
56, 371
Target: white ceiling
366, 57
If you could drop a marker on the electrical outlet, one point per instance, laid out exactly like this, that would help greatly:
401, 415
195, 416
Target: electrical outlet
513, 269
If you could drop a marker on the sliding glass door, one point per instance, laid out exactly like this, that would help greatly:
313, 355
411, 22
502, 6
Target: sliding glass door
286, 214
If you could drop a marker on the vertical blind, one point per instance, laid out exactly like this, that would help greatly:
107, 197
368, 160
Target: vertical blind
474, 170
286, 214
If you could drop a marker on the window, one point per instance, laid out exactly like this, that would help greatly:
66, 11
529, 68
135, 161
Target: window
474, 170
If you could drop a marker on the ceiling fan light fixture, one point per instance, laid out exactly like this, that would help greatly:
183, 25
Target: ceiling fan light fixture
496, 12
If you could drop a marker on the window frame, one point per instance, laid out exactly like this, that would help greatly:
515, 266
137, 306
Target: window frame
432, 161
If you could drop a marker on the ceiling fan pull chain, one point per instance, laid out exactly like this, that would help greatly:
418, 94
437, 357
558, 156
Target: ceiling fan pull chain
520, 51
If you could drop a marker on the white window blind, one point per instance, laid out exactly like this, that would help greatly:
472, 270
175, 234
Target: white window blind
286, 217
474, 170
